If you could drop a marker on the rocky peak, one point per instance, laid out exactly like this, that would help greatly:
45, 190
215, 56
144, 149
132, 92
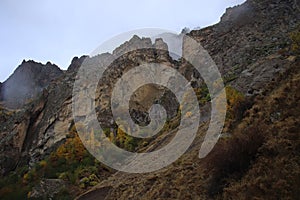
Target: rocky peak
259, 11
76, 63
28, 80
238, 13
134, 43
160, 44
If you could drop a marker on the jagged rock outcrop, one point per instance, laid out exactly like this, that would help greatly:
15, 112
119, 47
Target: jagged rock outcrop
134, 43
76, 63
251, 35
27, 81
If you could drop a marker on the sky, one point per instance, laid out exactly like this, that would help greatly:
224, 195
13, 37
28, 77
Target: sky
58, 30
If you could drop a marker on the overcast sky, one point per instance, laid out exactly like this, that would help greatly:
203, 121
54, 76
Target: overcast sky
58, 30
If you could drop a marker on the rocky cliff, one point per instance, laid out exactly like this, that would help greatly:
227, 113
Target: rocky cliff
27, 81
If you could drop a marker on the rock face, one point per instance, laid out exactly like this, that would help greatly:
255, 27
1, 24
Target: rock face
47, 189
42, 123
28, 80
249, 36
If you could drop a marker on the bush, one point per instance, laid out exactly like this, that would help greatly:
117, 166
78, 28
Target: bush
126, 141
232, 157
295, 37
235, 100
237, 105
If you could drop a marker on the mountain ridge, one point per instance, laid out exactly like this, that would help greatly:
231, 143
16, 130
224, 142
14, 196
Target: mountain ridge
28, 80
